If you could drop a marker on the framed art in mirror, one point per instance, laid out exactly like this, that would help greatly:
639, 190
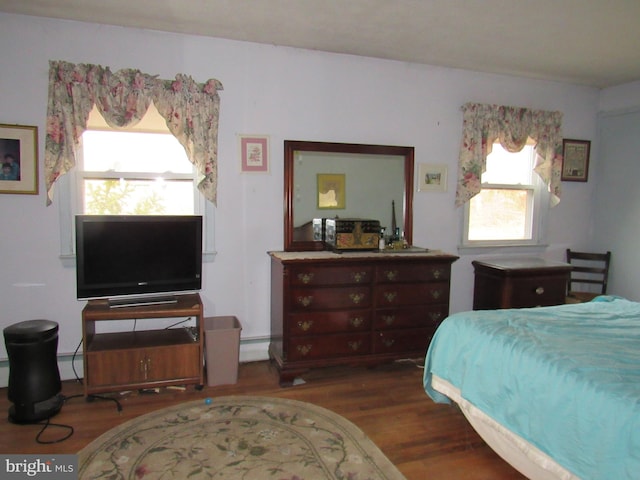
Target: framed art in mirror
19, 153
331, 191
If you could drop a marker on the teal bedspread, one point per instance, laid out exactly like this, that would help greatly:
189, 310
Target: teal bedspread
565, 378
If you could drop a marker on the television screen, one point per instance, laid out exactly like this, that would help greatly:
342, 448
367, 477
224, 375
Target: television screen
137, 255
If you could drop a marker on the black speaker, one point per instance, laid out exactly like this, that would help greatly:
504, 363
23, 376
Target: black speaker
34, 378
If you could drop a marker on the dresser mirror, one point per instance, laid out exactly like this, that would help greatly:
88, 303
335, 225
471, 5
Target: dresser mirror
328, 180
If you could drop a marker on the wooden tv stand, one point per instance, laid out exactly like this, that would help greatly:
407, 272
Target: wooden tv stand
142, 359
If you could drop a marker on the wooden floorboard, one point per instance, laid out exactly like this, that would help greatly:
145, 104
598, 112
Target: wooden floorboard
423, 439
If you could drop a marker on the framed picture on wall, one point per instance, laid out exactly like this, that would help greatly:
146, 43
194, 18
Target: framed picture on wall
254, 153
432, 178
19, 156
575, 160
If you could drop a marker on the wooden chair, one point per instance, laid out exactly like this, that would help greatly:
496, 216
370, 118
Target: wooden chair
587, 269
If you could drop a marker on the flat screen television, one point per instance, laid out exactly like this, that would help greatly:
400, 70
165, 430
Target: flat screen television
124, 256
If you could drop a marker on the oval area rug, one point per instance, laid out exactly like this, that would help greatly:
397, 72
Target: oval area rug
237, 437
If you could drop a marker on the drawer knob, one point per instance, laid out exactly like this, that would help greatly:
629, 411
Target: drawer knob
435, 315
391, 274
305, 325
388, 342
390, 296
304, 349
305, 301
305, 277
437, 273
356, 321
436, 293
539, 290
356, 297
389, 319
355, 345
359, 276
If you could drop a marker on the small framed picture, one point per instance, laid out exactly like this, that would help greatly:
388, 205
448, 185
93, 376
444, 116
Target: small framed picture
575, 160
331, 191
432, 178
19, 156
254, 153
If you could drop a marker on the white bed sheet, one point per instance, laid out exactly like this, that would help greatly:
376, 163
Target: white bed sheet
520, 454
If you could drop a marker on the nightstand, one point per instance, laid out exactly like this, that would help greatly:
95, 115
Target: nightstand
519, 283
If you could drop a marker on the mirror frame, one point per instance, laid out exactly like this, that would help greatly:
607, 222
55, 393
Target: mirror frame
293, 146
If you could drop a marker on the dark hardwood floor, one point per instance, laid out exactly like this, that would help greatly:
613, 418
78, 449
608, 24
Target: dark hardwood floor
423, 439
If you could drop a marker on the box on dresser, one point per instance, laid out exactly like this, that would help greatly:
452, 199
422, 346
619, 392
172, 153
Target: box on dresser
352, 233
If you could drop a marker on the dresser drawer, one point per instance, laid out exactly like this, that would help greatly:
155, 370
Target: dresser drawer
329, 346
538, 291
411, 294
410, 317
330, 322
393, 341
330, 298
336, 275
412, 272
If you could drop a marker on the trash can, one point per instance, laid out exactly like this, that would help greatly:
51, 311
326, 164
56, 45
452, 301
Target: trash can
222, 349
34, 378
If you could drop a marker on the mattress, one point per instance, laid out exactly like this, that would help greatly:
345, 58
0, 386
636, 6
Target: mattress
565, 380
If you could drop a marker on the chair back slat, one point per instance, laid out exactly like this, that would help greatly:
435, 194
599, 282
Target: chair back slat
588, 268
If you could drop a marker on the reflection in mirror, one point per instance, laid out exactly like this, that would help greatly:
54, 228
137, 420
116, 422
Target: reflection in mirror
329, 180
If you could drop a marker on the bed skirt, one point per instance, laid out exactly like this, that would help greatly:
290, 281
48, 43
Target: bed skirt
524, 457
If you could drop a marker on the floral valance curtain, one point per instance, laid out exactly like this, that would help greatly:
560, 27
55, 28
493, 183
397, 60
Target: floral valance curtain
484, 124
190, 109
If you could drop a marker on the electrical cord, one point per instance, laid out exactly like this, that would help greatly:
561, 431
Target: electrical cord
46, 424
81, 382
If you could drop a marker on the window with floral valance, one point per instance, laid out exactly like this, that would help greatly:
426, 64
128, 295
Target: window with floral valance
485, 124
190, 109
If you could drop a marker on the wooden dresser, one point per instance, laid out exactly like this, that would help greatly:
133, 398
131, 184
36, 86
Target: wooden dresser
354, 308
519, 283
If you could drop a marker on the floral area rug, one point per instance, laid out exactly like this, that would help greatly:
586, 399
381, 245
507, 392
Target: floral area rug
236, 437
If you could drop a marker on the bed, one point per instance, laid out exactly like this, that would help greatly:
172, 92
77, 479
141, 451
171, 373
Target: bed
554, 390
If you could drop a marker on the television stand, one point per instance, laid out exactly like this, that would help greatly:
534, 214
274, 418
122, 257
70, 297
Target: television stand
141, 359
141, 301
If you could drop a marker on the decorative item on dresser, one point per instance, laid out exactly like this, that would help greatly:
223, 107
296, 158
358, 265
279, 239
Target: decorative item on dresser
519, 283
357, 308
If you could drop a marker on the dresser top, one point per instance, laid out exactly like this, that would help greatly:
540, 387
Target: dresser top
413, 252
520, 264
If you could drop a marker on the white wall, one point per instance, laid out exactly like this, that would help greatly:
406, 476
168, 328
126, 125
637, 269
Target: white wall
617, 197
282, 92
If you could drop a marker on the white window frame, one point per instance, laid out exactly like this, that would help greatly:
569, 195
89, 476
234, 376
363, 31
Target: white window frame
69, 193
541, 205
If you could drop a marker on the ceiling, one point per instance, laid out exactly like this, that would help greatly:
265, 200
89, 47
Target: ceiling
587, 42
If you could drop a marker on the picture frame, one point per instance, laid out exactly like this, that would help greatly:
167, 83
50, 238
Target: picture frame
254, 153
432, 178
19, 150
332, 191
575, 160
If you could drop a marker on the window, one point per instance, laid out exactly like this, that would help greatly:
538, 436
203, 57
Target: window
136, 171
123, 173
511, 206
